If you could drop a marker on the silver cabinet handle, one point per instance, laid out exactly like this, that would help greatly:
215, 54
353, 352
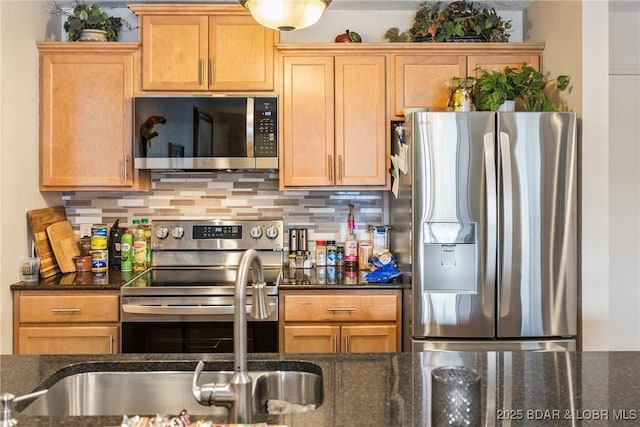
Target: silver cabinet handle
341, 309
330, 167
335, 343
110, 344
200, 67
65, 310
126, 166
340, 168
346, 343
210, 71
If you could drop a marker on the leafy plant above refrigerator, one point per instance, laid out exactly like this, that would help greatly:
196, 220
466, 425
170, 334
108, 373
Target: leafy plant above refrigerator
534, 90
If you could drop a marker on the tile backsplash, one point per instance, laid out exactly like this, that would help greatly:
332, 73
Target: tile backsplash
230, 195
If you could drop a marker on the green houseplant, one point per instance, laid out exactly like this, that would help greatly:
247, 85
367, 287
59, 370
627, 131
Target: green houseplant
526, 84
88, 17
458, 21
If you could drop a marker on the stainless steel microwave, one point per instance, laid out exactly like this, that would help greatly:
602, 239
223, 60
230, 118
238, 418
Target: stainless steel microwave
205, 132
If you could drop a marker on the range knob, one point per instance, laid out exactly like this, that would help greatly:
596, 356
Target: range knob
272, 232
255, 232
162, 233
177, 232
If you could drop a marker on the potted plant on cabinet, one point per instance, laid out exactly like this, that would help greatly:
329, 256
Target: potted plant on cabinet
458, 21
88, 22
526, 84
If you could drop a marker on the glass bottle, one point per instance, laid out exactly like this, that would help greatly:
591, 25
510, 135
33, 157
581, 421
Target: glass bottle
139, 247
147, 234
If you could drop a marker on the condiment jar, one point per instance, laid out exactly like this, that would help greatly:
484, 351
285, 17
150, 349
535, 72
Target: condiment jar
331, 252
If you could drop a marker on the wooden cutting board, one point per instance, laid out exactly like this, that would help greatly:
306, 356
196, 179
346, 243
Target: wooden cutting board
39, 220
64, 243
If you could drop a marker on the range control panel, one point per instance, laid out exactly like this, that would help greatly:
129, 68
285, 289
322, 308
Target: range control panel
217, 235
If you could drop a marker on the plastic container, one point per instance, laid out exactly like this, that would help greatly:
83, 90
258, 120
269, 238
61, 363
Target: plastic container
126, 251
139, 247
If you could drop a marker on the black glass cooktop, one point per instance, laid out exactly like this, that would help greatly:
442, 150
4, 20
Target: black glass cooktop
197, 277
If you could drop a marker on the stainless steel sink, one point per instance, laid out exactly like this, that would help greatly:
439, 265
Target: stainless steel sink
150, 392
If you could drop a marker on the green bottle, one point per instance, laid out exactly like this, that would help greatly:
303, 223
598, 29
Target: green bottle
126, 251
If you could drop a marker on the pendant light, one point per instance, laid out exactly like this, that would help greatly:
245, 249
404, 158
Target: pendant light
286, 15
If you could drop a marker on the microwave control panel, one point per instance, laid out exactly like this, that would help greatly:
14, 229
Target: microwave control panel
266, 127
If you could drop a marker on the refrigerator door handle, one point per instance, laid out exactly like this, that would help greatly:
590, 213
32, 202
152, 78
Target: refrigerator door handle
507, 224
492, 217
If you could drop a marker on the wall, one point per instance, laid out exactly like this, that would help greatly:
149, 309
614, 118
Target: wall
227, 196
624, 166
21, 25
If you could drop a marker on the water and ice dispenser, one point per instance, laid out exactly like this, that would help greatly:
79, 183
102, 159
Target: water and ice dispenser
450, 256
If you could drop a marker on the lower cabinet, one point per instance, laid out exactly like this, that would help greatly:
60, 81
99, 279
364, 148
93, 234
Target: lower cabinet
317, 321
66, 322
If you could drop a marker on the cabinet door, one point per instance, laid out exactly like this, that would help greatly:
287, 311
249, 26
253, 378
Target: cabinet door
360, 117
308, 121
68, 340
174, 52
476, 64
422, 80
370, 339
240, 54
311, 339
86, 121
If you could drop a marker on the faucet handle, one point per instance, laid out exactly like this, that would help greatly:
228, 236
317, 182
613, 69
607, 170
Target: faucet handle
210, 394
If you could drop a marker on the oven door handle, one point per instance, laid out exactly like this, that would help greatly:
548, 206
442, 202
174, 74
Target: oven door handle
184, 309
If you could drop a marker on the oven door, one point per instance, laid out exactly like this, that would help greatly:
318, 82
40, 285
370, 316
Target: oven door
196, 324
195, 337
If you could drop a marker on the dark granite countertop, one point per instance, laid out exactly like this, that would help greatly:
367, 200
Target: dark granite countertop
308, 279
525, 388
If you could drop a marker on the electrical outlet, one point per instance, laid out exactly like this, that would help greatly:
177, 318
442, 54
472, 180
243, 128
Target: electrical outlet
85, 230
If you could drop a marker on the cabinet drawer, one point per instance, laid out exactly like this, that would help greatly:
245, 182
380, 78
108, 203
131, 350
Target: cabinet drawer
323, 308
69, 308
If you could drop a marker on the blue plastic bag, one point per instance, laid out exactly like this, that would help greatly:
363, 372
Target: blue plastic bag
382, 274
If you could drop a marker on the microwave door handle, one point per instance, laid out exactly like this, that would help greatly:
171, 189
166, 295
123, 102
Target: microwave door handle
250, 127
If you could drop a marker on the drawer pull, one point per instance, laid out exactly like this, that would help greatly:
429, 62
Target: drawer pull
341, 309
65, 310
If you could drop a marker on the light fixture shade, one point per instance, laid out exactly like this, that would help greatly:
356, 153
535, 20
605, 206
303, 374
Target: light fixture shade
286, 15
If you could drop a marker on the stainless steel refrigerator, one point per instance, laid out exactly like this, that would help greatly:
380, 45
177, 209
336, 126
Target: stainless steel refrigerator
484, 215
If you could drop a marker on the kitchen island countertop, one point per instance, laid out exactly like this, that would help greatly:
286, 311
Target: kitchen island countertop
524, 388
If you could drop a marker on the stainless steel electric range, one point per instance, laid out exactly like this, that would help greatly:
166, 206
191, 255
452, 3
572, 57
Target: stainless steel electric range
184, 303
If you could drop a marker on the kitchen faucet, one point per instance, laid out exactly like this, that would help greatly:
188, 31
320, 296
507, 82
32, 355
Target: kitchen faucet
236, 394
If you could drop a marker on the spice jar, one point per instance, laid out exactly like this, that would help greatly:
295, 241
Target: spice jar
331, 252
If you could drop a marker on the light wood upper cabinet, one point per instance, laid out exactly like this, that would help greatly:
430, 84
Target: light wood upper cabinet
421, 72
308, 121
86, 117
204, 48
476, 64
334, 121
421, 80
360, 120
